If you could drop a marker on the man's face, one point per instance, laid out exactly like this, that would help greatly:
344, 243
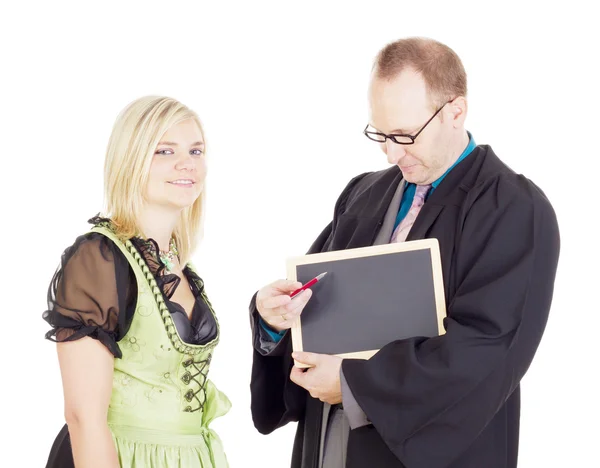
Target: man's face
403, 106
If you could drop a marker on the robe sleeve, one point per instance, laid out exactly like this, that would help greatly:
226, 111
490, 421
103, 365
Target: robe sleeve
429, 398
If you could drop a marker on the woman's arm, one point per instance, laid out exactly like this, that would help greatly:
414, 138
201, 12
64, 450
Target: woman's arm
90, 300
86, 367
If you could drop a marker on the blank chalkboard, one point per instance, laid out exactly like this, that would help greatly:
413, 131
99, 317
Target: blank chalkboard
370, 297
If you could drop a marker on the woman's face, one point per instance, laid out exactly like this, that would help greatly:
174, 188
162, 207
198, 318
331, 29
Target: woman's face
178, 168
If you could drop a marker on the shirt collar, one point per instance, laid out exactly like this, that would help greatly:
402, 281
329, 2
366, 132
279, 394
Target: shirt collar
470, 147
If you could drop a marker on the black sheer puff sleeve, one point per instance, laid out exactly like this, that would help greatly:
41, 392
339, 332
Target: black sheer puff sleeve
93, 293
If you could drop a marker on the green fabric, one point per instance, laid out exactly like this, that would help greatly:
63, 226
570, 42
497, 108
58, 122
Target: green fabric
162, 401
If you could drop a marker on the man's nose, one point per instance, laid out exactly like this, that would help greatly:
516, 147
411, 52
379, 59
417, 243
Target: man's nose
394, 151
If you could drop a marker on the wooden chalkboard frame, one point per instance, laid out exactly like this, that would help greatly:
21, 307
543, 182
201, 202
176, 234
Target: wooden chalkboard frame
436, 267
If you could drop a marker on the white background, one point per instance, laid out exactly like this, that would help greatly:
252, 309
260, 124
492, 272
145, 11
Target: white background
282, 93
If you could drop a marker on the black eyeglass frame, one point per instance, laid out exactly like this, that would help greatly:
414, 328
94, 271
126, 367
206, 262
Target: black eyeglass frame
393, 136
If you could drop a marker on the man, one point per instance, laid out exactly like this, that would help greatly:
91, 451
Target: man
448, 401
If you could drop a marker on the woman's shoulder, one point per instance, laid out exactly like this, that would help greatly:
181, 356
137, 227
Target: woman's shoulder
93, 254
92, 292
91, 247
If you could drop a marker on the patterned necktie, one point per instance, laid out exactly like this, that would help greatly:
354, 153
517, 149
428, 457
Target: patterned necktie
401, 232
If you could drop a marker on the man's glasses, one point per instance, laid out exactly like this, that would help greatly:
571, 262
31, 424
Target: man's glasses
399, 138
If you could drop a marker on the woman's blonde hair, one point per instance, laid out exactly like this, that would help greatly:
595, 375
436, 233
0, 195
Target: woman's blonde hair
133, 141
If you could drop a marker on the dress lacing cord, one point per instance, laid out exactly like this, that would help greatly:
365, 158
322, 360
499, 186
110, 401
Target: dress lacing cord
197, 371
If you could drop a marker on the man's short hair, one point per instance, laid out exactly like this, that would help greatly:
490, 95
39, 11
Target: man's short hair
440, 67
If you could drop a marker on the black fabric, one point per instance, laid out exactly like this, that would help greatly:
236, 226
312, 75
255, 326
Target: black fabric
94, 293
450, 401
202, 327
61, 453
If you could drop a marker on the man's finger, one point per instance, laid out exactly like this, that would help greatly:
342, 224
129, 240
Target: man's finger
311, 359
286, 286
300, 300
291, 312
298, 376
284, 306
275, 301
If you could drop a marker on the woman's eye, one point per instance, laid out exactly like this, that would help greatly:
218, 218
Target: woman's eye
164, 151
196, 152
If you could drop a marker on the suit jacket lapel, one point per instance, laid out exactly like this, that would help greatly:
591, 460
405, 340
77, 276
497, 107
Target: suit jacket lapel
389, 220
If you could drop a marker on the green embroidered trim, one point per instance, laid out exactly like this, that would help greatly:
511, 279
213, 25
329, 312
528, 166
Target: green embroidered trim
174, 337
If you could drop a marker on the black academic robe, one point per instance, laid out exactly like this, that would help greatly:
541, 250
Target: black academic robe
450, 401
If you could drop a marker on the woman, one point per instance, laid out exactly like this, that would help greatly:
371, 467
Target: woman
134, 327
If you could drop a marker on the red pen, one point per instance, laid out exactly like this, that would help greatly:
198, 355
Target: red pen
308, 285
